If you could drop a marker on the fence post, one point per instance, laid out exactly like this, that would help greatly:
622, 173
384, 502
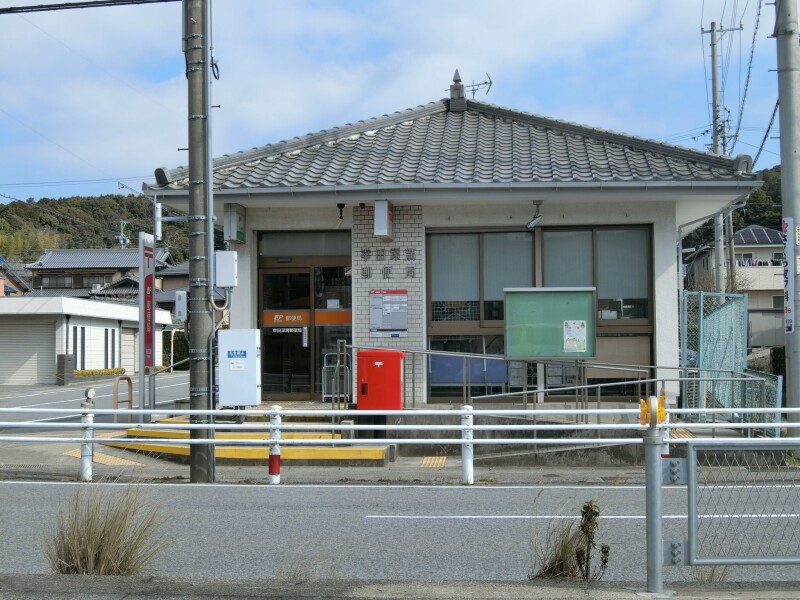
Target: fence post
467, 475
275, 446
87, 432
653, 443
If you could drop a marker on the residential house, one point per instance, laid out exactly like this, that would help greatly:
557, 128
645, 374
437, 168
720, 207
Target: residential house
16, 278
79, 273
759, 273
433, 206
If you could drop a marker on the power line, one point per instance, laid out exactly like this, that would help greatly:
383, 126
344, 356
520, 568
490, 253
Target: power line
70, 5
747, 79
766, 134
23, 184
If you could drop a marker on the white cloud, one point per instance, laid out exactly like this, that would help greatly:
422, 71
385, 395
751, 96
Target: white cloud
108, 84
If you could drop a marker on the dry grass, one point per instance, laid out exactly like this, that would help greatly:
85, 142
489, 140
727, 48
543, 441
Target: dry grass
710, 574
568, 548
105, 531
556, 556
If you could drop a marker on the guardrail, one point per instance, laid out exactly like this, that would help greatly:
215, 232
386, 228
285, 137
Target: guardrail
654, 435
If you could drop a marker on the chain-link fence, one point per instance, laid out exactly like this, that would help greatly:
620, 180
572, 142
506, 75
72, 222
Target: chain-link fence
744, 504
714, 341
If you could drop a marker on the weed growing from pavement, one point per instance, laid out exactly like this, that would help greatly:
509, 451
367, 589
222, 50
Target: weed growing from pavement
568, 548
105, 531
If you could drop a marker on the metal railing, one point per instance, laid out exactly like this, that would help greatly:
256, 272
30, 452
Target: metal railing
704, 515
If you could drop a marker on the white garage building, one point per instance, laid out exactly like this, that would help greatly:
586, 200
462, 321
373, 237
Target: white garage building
37, 335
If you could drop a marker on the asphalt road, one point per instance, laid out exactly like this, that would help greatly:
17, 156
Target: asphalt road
367, 532
169, 388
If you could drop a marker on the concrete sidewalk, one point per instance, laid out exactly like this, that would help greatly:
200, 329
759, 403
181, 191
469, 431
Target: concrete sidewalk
81, 587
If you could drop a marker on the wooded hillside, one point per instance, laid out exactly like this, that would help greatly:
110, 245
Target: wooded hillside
28, 228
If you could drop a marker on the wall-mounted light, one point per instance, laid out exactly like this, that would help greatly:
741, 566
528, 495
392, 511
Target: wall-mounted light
537, 218
340, 206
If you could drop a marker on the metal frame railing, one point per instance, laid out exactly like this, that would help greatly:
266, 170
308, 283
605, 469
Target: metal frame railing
654, 437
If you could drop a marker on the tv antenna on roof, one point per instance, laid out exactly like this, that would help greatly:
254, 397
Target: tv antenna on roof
474, 87
122, 239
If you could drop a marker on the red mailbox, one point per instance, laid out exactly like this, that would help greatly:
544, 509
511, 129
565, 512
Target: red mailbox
380, 379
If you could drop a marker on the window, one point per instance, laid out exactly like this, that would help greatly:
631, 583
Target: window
90, 280
507, 262
449, 375
615, 261
777, 257
777, 302
468, 272
623, 257
454, 277
568, 258
57, 281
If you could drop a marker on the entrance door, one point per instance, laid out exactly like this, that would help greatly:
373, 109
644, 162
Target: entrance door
304, 312
286, 347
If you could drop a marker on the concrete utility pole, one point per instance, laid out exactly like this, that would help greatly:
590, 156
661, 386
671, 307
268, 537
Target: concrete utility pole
788, 43
720, 146
197, 44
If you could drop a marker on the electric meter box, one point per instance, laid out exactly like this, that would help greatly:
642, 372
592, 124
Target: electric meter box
239, 367
226, 264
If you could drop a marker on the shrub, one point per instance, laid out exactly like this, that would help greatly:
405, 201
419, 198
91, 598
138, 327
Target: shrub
98, 372
104, 533
568, 546
180, 349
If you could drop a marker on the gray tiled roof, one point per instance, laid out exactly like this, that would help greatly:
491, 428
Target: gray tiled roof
175, 270
757, 235
56, 292
103, 258
486, 144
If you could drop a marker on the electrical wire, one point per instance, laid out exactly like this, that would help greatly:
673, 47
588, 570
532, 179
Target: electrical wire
70, 5
766, 134
747, 78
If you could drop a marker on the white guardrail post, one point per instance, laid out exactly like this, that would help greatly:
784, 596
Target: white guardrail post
275, 448
653, 448
467, 474
87, 433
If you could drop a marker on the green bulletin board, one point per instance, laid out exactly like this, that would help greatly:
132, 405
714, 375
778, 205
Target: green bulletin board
550, 323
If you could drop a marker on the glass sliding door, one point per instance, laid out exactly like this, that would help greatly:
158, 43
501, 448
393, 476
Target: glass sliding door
286, 345
304, 311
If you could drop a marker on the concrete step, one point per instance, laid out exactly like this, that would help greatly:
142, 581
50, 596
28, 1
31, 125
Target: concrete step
379, 455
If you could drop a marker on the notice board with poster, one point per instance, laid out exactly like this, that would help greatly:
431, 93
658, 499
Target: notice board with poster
388, 313
545, 323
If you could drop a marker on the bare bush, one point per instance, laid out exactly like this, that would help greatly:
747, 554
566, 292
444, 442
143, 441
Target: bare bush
105, 531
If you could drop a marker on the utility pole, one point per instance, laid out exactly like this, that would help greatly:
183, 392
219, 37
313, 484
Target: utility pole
788, 44
720, 146
196, 43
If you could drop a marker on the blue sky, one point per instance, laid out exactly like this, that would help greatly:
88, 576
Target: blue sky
93, 98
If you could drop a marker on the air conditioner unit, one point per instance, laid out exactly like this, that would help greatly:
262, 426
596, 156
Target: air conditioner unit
96, 287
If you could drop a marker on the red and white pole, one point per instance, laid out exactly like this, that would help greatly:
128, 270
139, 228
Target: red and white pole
275, 447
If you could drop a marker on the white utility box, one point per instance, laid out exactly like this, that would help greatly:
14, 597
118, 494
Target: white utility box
239, 367
227, 266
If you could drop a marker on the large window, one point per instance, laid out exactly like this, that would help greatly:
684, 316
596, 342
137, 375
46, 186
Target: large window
615, 261
468, 272
57, 281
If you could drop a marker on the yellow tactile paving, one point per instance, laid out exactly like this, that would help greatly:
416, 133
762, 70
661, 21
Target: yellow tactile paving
106, 459
433, 462
681, 433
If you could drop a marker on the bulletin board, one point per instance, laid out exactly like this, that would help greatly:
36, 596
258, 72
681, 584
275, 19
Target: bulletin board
549, 323
388, 313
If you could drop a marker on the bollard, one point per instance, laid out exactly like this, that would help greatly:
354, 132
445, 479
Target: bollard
653, 449
467, 475
275, 448
87, 432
